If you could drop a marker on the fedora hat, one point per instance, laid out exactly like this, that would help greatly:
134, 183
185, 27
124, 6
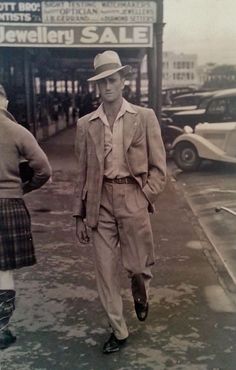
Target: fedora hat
106, 64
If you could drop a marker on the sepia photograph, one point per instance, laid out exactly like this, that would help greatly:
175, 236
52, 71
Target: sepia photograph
117, 185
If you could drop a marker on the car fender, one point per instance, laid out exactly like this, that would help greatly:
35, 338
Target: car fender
176, 129
204, 147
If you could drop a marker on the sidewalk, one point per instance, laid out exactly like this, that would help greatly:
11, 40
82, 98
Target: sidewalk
59, 322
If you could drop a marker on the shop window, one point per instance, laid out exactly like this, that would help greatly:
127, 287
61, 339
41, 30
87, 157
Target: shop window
61, 86
49, 85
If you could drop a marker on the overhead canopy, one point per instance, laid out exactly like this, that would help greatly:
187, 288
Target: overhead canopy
42, 40
80, 61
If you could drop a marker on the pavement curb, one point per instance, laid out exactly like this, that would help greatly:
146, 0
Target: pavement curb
215, 259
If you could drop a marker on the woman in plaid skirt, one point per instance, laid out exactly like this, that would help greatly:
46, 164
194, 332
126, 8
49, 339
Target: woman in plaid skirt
16, 244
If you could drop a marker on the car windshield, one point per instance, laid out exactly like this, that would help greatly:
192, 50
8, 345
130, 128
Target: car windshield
204, 102
185, 101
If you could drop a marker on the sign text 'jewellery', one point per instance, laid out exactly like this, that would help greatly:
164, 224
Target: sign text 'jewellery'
76, 23
134, 35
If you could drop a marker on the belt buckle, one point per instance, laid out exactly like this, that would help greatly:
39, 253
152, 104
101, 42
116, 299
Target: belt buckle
119, 180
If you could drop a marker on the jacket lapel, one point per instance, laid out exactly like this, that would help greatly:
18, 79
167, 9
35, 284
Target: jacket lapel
97, 131
130, 126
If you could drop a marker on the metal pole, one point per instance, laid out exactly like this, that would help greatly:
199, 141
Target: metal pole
154, 60
152, 77
159, 47
138, 84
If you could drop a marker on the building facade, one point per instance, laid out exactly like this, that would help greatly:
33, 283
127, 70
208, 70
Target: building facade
179, 70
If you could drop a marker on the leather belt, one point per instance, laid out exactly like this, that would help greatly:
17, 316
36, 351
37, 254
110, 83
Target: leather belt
121, 180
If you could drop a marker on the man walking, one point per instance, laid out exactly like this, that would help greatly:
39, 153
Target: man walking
121, 171
16, 244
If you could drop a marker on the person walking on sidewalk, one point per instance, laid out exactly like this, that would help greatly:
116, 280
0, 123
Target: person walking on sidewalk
121, 171
16, 244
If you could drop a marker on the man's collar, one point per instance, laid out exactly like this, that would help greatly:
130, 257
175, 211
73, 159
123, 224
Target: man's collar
97, 113
125, 107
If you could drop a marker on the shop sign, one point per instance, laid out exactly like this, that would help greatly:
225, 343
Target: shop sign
77, 23
80, 36
20, 12
73, 12
98, 12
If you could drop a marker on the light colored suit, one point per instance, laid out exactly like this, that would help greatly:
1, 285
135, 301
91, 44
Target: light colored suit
118, 213
144, 153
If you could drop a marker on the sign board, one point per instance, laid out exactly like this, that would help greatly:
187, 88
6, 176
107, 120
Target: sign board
20, 11
80, 36
77, 23
99, 12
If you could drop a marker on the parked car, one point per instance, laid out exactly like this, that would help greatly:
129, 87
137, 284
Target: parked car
187, 102
169, 129
169, 134
169, 93
221, 107
212, 141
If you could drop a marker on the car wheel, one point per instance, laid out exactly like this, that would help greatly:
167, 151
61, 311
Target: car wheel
186, 156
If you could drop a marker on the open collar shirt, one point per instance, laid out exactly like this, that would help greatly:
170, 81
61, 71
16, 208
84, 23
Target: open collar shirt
114, 158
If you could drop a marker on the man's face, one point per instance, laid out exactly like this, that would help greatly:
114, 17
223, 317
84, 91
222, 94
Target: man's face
111, 87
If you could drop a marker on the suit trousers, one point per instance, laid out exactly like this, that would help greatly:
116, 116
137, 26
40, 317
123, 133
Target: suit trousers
123, 234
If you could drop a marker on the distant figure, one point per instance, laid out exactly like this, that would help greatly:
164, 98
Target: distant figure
55, 107
86, 104
66, 103
167, 99
16, 243
121, 172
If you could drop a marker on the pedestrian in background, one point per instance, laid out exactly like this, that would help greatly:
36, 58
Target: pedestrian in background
121, 171
16, 244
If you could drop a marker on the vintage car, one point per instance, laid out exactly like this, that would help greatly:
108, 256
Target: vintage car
187, 102
170, 93
217, 106
169, 129
212, 141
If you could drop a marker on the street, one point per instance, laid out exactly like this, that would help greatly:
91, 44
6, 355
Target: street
211, 187
59, 322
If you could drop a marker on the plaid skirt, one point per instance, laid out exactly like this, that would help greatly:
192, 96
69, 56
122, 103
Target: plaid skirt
16, 243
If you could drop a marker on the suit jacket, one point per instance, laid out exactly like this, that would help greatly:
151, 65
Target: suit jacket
144, 153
